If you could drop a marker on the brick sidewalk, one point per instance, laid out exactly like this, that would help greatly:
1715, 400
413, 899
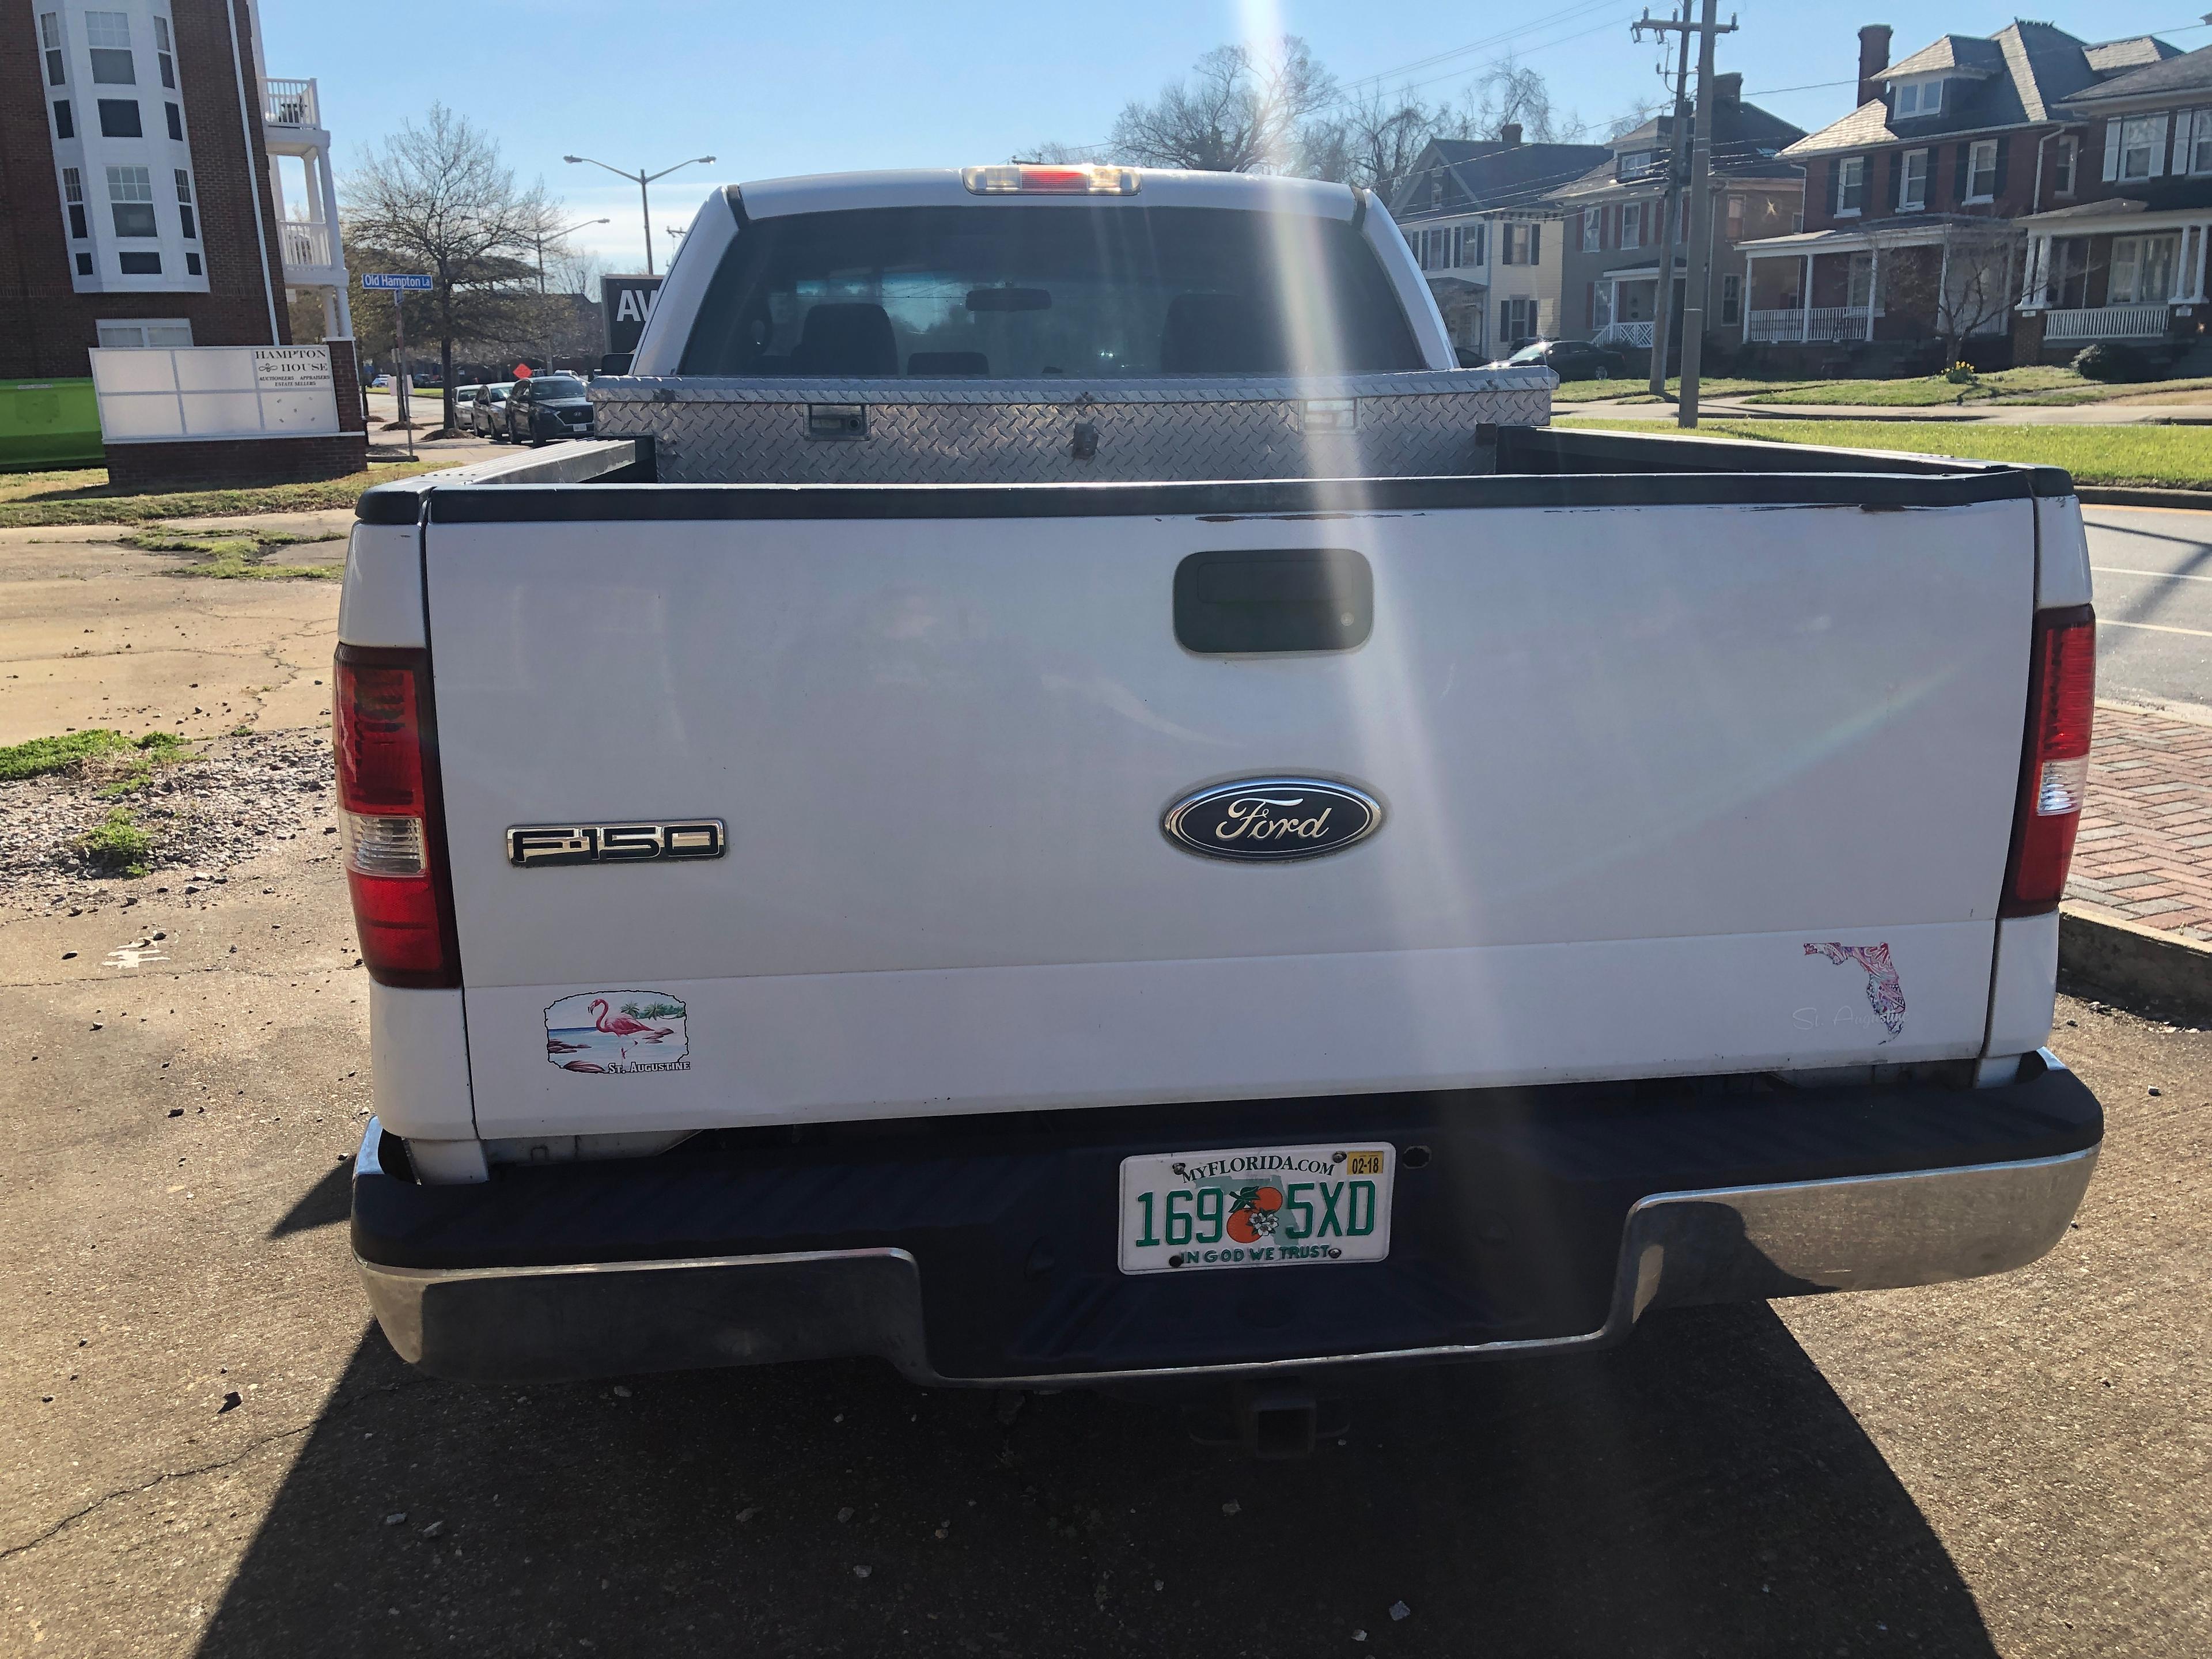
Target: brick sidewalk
2145, 850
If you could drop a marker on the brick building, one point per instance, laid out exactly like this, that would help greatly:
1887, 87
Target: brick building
1912, 201
1616, 232
2126, 261
138, 197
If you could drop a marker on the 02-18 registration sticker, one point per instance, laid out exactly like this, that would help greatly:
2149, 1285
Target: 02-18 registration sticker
1255, 1207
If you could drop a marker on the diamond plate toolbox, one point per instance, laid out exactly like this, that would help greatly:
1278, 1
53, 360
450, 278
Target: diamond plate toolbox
1437, 423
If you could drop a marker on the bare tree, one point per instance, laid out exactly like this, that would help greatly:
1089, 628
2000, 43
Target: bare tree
1966, 284
1372, 141
435, 199
1508, 93
1239, 113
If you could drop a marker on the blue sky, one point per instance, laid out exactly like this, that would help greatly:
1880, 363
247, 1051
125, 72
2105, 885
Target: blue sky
796, 88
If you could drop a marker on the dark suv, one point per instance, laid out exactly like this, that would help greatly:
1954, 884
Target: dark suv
547, 407
1570, 360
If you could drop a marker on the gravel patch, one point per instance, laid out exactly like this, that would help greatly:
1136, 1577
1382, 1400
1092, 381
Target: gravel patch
227, 804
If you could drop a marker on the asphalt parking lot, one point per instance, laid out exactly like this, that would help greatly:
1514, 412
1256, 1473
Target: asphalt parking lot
208, 1449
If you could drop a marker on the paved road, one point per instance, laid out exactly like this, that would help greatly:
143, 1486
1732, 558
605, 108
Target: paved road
2153, 584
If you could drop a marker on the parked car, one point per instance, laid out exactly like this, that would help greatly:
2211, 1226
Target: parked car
487, 409
1570, 360
546, 407
1628, 938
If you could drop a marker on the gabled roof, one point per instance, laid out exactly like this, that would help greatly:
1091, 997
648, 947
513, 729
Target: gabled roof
1481, 174
1969, 54
1747, 143
2185, 73
2016, 77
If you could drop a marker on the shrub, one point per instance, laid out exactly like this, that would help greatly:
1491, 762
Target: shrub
1961, 375
2109, 362
117, 846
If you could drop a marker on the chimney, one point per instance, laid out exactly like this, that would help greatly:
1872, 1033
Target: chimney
1728, 89
1874, 58
1509, 134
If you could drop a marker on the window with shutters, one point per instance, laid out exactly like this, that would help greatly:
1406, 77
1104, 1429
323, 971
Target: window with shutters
1600, 304
2200, 145
2065, 156
1982, 171
49, 43
131, 198
1912, 185
1631, 224
2139, 143
1735, 218
1731, 298
1477, 244
1850, 187
1593, 227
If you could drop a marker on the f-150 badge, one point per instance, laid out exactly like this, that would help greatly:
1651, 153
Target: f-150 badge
534, 846
1272, 818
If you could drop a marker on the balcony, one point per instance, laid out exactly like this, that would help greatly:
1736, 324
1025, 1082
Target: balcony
2107, 323
1821, 326
310, 255
290, 104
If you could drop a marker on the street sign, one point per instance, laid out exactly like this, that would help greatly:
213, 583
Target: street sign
403, 281
628, 301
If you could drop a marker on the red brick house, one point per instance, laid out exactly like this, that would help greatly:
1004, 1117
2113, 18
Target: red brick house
1911, 247
2126, 261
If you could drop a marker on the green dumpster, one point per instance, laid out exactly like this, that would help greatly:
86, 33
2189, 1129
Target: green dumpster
48, 423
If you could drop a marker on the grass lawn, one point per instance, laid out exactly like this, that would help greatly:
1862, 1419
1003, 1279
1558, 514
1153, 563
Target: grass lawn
1635, 389
2176, 458
85, 497
2037, 384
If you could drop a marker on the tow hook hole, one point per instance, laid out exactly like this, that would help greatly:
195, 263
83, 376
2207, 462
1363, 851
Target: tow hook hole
1416, 1157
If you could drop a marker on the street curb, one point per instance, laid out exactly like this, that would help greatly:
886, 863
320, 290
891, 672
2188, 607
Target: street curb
2097, 495
2131, 962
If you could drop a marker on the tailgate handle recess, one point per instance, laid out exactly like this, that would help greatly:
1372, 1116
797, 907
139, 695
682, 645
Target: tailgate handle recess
1291, 599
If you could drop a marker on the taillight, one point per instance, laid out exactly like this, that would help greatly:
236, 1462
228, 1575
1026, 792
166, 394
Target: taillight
1019, 178
2062, 702
391, 818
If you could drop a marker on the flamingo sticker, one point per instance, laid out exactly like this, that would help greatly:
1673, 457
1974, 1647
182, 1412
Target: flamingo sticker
616, 1033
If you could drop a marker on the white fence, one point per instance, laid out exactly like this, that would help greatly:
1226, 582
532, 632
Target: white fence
165, 394
2106, 323
1821, 325
1623, 334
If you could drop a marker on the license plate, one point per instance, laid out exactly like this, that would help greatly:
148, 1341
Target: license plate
1256, 1207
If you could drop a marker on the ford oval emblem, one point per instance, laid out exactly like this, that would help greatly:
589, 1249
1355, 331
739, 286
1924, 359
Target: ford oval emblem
1272, 819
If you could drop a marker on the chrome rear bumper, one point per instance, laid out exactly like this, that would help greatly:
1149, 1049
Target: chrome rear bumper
1678, 1248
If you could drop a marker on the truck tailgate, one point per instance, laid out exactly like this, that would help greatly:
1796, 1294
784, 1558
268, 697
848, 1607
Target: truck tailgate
1666, 789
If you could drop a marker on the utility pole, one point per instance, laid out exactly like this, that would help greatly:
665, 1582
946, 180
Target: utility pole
1701, 203
1663, 316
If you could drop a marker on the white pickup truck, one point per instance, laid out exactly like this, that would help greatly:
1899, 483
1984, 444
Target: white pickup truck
1063, 799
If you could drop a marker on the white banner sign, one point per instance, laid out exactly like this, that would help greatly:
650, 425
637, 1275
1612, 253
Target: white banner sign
162, 394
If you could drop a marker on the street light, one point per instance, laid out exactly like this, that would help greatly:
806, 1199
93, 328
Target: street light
542, 237
642, 178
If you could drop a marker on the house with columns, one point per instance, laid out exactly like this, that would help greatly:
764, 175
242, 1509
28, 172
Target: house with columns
2126, 261
1913, 244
